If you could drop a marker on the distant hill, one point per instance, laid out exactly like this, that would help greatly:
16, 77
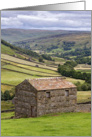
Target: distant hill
14, 35
48, 41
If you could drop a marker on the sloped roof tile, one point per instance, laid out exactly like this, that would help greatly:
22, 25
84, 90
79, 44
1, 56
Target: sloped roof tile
50, 83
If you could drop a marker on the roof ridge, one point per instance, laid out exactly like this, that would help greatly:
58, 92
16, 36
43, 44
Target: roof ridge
48, 78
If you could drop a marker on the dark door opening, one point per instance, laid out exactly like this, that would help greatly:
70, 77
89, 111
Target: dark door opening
32, 111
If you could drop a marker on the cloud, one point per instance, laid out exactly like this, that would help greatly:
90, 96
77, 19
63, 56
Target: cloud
66, 20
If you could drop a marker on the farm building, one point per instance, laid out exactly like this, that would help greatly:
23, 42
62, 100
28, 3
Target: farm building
36, 97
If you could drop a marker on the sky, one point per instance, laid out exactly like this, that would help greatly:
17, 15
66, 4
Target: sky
47, 20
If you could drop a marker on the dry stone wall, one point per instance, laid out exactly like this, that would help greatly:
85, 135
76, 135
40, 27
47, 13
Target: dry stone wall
57, 102
83, 108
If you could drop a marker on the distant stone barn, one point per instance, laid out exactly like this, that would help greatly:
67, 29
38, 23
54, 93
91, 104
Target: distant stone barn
37, 97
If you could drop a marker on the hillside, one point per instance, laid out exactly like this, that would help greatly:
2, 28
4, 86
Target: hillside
8, 48
16, 66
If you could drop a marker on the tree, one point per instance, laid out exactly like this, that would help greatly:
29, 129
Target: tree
84, 87
2, 95
6, 95
41, 59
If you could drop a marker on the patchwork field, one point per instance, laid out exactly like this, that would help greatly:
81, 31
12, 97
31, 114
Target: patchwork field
15, 70
85, 68
65, 124
29, 67
17, 60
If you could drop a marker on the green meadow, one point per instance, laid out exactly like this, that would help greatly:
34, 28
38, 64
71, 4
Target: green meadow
65, 124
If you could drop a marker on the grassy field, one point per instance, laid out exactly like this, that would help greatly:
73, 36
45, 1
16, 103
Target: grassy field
6, 87
57, 61
83, 96
83, 67
65, 124
11, 52
7, 115
17, 60
84, 70
13, 78
74, 80
6, 105
26, 71
34, 68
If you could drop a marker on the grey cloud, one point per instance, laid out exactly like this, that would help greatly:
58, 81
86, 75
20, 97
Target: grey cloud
66, 20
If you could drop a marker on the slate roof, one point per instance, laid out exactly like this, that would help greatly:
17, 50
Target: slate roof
50, 83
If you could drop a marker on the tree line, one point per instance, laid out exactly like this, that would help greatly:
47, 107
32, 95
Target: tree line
68, 70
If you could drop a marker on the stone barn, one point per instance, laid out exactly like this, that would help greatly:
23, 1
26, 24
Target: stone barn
37, 97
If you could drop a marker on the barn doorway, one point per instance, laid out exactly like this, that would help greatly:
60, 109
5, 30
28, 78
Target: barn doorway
32, 111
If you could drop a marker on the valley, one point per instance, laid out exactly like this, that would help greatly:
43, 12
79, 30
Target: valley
20, 62
47, 41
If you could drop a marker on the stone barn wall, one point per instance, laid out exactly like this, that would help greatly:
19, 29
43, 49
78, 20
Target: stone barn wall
25, 100
57, 102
